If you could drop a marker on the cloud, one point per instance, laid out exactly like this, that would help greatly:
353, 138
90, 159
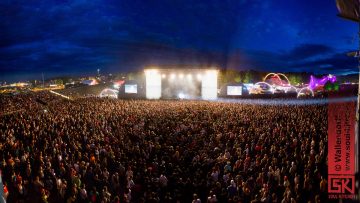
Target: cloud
80, 36
337, 63
305, 51
304, 58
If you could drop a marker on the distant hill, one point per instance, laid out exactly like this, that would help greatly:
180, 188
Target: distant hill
348, 78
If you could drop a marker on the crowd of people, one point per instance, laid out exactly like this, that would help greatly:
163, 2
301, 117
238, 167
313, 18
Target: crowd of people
106, 150
21, 102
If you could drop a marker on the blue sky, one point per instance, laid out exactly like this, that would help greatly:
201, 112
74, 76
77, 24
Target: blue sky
77, 37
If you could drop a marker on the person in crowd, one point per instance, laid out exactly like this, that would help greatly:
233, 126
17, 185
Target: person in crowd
106, 150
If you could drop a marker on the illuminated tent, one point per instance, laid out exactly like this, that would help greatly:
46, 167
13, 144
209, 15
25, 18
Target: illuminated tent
89, 82
117, 84
110, 93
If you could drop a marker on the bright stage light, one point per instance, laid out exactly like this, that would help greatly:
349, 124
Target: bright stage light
189, 77
181, 95
199, 77
163, 76
153, 84
116, 86
151, 72
172, 76
181, 76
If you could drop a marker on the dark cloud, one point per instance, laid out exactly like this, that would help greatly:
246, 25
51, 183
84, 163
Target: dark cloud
305, 51
80, 36
337, 64
322, 60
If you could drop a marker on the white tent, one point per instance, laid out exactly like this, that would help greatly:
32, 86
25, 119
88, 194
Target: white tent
111, 93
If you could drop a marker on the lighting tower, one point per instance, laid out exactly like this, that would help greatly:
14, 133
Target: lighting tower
42, 75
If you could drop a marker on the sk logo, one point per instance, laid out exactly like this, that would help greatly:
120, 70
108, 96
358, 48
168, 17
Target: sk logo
341, 184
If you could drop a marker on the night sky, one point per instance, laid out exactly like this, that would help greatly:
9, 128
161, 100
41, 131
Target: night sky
77, 37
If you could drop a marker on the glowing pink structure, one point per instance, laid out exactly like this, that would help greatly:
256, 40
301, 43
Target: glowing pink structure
315, 82
275, 79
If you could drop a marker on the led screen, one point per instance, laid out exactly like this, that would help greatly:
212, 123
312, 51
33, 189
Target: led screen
234, 90
131, 89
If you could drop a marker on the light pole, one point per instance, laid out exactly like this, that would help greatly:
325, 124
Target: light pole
42, 74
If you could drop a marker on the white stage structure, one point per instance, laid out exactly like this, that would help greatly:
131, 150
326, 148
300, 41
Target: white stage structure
153, 84
207, 77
